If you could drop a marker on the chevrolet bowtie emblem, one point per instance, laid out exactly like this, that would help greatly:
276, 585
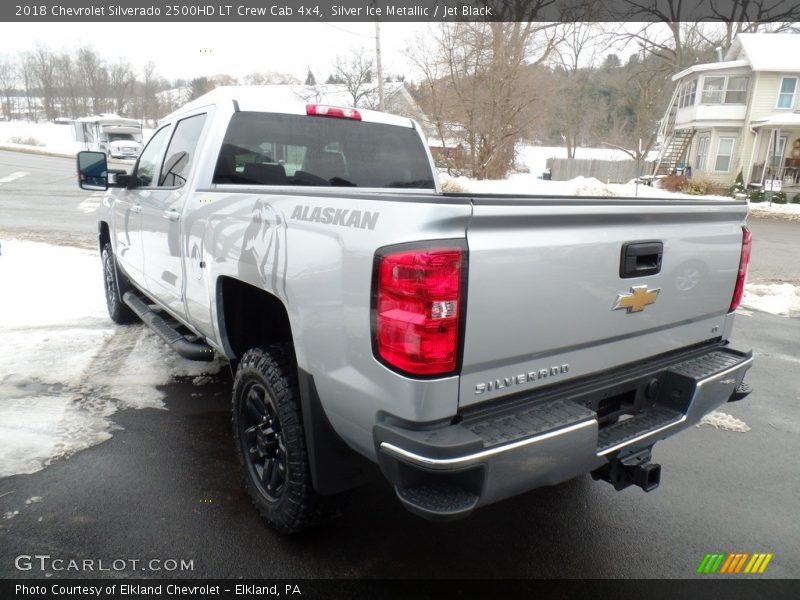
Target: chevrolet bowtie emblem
639, 297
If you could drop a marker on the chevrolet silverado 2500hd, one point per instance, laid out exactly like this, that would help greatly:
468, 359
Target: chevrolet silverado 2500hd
474, 346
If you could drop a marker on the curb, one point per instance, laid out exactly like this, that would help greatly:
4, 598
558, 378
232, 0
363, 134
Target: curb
33, 150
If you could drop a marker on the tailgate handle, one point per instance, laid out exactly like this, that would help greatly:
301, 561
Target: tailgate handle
640, 259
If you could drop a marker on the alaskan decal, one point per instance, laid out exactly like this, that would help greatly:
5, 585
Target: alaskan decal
342, 217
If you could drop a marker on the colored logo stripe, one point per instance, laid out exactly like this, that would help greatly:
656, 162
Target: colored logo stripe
736, 562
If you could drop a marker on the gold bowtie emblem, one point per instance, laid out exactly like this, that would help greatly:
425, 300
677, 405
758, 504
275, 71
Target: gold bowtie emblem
639, 297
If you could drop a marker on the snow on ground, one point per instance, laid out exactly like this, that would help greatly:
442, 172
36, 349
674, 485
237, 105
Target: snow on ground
66, 367
49, 136
530, 184
787, 212
782, 299
44, 137
535, 157
721, 420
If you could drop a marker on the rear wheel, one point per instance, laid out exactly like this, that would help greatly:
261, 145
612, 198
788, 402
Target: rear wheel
268, 430
118, 311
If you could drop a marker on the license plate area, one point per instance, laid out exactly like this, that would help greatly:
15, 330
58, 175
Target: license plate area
623, 401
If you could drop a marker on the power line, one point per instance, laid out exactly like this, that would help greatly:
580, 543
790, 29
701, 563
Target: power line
348, 31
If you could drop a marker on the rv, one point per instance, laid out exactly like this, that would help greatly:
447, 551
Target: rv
116, 136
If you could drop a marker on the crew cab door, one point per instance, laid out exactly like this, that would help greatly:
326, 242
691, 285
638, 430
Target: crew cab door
128, 207
162, 213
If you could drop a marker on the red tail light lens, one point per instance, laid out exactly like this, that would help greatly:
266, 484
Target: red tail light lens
418, 301
744, 263
322, 110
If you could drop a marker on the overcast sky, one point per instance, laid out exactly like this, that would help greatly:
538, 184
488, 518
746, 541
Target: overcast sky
187, 50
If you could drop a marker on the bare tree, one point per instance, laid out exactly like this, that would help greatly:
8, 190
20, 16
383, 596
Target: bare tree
356, 71
479, 76
121, 79
572, 102
44, 70
69, 83
149, 101
8, 83
27, 76
95, 76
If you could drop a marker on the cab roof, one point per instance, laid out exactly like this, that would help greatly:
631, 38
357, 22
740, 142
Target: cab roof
286, 99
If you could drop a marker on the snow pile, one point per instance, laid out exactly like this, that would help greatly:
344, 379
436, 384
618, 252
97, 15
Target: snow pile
66, 367
782, 299
531, 185
721, 420
785, 212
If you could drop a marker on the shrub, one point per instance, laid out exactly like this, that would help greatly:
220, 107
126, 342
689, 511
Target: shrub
451, 186
796, 198
674, 183
697, 187
779, 197
737, 187
28, 141
756, 195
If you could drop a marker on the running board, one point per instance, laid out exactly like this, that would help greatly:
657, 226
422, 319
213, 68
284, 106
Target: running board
193, 350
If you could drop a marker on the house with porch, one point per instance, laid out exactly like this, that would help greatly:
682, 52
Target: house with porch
741, 114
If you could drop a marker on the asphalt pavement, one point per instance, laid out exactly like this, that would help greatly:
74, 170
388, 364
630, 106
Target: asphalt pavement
167, 485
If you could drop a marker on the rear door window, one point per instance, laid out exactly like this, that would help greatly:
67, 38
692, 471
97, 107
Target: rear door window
277, 149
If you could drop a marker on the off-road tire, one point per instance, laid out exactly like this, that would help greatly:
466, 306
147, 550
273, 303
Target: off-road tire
119, 312
268, 375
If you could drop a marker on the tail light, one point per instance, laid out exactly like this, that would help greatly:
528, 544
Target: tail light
744, 263
322, 110
418, 301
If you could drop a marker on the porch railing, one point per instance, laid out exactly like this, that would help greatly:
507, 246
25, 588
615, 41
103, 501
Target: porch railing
789, 176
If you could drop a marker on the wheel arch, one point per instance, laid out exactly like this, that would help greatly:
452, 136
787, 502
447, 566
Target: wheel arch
248, 317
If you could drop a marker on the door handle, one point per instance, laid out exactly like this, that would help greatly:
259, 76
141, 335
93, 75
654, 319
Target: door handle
136, 208
640, 259
172, 215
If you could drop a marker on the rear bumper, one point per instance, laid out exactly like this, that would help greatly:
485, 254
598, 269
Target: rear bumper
541, 440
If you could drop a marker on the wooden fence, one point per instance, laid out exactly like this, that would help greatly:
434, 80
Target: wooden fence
607, 171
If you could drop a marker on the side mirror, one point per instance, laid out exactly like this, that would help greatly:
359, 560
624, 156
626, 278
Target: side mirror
92, 171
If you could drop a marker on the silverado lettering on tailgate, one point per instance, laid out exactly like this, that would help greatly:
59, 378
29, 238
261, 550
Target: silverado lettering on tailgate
336, 216
499, 384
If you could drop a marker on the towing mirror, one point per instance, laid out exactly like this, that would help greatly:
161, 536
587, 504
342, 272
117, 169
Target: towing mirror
92, 171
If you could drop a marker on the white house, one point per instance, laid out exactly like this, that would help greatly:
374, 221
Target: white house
741, 114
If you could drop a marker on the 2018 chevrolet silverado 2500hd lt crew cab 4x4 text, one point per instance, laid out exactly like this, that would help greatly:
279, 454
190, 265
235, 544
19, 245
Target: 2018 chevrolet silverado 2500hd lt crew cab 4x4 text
474, 346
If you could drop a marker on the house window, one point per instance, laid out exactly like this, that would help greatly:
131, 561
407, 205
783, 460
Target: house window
702, 153
787, 92
736, 90
688, 93
712, 90
725, 90
724, 154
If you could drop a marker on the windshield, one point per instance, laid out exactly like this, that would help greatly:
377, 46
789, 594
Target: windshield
277, 149
117, 137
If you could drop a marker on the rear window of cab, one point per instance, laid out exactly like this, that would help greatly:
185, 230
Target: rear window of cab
284, 150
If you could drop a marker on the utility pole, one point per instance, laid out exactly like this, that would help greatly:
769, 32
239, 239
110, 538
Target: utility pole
378, 61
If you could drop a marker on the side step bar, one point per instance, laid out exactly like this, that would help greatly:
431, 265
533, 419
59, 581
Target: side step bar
193, 350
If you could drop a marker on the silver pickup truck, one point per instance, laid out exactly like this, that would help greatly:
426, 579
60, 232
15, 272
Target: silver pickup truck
473, 346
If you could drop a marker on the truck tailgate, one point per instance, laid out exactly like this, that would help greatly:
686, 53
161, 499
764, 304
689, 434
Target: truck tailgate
544, 278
